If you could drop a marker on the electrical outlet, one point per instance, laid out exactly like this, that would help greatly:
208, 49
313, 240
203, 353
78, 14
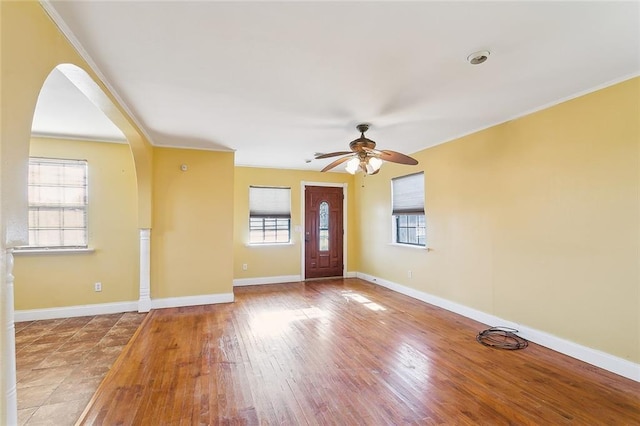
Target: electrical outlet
245, 266
97, 286
409, 274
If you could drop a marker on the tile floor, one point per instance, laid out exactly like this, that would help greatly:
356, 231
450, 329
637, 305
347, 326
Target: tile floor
61, 362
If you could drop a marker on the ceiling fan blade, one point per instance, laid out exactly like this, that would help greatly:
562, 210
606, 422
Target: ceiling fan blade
337, 162
396, 157
332, 154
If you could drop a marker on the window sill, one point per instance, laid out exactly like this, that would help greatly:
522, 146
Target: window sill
22, 252
269, 244
410, 246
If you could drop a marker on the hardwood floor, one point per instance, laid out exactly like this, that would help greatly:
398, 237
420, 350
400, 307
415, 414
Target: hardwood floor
61, 362
344, 352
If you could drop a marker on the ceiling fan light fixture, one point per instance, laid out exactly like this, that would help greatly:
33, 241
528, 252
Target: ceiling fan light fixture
373, 165
353, 165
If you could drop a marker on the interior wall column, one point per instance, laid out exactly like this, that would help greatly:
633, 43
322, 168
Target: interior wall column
144, 303
9, 342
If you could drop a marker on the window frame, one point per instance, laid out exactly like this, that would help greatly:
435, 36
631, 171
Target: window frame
260, 211
397, 228
411, 205
59, 206
276, 230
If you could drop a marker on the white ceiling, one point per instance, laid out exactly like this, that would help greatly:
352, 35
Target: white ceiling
64, 111
279, 81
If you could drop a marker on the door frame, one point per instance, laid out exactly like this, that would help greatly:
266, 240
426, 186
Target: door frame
303, 225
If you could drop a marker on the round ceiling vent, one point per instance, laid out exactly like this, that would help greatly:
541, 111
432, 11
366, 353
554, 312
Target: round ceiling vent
478, 58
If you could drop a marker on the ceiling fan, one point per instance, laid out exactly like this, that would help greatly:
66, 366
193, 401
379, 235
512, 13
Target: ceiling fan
363, 155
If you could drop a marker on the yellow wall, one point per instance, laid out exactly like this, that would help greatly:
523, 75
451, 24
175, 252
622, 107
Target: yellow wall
535, 221
192, 237
45, 281
271, 261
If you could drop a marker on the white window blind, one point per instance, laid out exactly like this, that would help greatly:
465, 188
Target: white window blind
57, 195
269, 202
408, 194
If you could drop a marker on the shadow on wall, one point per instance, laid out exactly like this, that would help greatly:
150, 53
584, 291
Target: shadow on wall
169, 140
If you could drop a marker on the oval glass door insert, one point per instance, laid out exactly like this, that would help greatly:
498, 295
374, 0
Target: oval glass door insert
323, 231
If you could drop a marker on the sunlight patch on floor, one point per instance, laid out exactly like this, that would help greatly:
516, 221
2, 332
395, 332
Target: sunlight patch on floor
350, 295
276, 322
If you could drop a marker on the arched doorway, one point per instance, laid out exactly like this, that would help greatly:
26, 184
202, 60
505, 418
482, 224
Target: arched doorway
35, 46
71, 247
138, 224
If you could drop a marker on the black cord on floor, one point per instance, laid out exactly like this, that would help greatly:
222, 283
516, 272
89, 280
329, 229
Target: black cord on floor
502, 338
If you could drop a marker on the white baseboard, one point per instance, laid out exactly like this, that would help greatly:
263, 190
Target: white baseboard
204, 299
74, 311
239, 282
118, 307
595, 357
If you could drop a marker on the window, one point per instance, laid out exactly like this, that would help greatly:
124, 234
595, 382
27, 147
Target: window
409, 225
323, 231
57, 203
269, 215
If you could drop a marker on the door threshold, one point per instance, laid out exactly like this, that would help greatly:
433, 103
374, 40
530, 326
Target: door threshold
337, 277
